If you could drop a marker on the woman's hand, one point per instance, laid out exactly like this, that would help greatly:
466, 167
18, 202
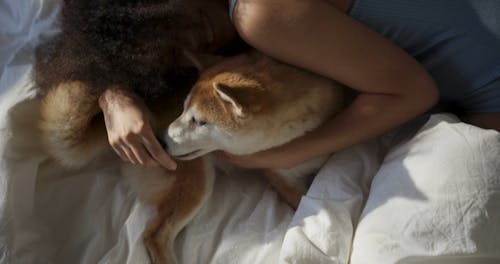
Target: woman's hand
129, 129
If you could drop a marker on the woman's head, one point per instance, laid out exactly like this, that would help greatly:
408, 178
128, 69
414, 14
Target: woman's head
142, 25
131, 42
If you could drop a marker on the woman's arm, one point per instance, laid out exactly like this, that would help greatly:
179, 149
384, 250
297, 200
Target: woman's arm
129, 130
318, 37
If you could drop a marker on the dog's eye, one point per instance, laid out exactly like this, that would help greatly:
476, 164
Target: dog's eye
198, 122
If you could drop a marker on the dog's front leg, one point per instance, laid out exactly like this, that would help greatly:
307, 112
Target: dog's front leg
176, 197
288, 192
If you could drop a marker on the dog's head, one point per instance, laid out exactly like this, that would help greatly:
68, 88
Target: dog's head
248, 104
220, 113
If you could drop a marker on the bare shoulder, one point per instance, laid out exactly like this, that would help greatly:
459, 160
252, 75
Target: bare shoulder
256, 15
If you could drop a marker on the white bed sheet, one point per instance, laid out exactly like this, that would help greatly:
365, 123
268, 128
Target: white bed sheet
412, 215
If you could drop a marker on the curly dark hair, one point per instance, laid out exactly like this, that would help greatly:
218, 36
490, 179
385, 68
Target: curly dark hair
115, 42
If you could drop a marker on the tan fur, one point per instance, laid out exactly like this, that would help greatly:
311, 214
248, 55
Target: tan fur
290, 193
251, 103
74, 134
176, 198
264, 87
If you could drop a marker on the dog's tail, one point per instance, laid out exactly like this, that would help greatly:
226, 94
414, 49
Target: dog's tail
72, 127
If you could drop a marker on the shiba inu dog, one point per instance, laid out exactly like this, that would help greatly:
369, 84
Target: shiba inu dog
251, 103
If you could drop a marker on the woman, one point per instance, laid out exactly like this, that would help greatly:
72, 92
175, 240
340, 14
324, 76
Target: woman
402, 56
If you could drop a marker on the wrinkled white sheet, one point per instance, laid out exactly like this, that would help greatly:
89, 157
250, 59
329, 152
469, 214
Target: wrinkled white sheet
435, 198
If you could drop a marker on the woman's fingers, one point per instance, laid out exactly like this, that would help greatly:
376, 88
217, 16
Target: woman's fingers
120, 153
157, 152
145, 151
128, 153
139, 152
142, 148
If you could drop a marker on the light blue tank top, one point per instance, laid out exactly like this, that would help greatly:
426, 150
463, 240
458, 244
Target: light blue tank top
457, 41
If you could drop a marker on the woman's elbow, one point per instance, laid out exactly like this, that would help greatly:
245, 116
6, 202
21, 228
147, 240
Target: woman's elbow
422, 93
428, 93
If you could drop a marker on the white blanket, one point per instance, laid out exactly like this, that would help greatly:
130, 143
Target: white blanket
364, 205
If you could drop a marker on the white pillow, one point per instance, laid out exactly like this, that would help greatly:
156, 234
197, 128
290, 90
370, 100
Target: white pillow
435, 199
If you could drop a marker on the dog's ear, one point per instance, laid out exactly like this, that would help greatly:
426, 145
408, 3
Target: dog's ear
230, 95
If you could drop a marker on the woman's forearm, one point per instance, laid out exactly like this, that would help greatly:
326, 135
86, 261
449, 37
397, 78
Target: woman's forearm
393, 86
364, 119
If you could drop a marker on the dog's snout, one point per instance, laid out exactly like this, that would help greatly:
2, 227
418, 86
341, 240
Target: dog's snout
173, 131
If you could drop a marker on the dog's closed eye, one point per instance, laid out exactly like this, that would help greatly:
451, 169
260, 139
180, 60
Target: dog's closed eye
198, 122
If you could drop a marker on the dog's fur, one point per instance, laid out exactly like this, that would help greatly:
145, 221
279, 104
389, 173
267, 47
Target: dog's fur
252, 103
